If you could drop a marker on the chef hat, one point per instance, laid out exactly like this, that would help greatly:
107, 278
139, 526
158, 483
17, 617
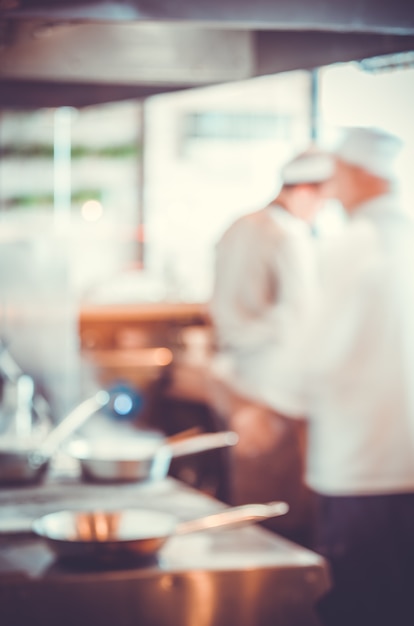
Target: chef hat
371, 149
311, 166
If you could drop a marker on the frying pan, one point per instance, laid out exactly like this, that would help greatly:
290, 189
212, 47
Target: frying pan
137, 460
23, 461
112, 535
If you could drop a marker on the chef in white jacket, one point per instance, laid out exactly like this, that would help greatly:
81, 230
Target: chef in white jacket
264, 284
265, 269
352, 376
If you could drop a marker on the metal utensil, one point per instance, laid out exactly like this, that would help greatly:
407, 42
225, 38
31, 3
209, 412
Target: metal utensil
140, 460
109, 535
26, 462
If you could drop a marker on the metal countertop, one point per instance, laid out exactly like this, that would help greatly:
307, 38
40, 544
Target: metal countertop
246, 576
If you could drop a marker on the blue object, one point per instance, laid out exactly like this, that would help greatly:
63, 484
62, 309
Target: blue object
126, 402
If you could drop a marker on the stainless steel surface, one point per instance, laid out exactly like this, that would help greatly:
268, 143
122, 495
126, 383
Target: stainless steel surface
111, 535
303, 15
245, 577
102, 461
23, 460
16, 466
88, 53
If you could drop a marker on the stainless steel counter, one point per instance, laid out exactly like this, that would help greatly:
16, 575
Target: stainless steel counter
245, 576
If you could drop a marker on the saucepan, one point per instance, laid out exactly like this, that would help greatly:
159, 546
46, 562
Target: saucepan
26, 462
111, 535
140, 459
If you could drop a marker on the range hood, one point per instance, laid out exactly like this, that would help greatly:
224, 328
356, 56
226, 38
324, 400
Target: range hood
80, 53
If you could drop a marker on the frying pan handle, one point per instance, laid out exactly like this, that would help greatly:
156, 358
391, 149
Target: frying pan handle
200, 443
234, 516
75, 419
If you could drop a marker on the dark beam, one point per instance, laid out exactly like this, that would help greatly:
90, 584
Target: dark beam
284, 51
27, 94
376, 16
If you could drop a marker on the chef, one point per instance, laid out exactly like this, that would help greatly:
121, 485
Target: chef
351, 375
265, 269
264, 284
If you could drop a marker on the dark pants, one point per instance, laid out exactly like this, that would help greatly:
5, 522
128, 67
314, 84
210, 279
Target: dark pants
369, 543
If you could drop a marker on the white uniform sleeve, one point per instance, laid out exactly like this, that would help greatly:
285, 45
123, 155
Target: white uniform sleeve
245, 318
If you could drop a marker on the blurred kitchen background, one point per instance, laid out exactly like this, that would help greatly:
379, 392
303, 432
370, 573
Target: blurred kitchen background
121, 205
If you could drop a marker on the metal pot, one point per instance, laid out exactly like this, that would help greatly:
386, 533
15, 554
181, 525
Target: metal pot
112, 535
26, 462
148, 459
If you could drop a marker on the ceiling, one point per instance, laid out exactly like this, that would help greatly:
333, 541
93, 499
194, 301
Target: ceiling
80, 53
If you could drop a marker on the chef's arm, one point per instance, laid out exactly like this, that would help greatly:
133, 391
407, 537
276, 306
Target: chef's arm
234, 302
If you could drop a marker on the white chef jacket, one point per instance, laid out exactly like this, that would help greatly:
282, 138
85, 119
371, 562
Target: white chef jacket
264, 281
352, 370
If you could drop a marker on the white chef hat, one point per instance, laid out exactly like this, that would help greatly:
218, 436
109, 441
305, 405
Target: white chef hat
311, 166
372, 149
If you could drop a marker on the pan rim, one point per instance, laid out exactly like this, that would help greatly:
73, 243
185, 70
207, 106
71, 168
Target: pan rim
169, 520
82, 450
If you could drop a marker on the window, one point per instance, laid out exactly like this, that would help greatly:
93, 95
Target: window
236, 125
